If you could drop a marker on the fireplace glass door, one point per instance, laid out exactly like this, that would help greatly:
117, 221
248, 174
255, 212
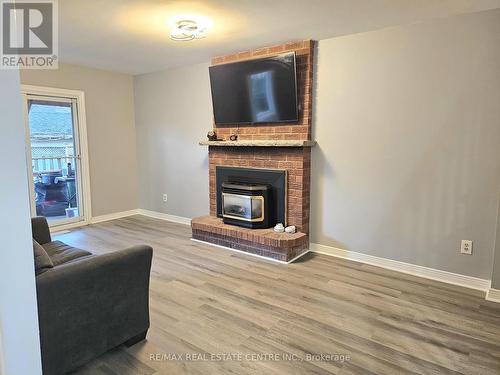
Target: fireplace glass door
243, 207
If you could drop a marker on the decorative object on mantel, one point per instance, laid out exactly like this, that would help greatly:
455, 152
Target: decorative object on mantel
233, 137
279, 228
212, 135
260, 143
291, 229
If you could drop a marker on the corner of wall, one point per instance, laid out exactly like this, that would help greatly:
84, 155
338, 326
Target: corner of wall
495, 273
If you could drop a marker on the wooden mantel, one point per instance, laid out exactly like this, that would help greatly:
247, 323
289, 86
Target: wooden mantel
260, 143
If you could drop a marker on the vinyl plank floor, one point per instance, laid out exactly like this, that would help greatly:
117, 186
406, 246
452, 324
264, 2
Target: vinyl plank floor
319, 315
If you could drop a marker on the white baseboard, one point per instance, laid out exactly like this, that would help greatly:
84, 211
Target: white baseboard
113, 216
60, 229
408, 268
94, 220
493, 295
167, 217
122, 214
140, 211
250, 254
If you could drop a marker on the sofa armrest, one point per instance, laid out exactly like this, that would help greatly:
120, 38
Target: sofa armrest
91, 305
40, 230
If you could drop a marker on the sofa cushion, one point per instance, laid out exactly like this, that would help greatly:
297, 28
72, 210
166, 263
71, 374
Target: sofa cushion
42, 259
61, 253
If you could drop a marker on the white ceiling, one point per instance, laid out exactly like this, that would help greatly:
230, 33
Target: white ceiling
133, 36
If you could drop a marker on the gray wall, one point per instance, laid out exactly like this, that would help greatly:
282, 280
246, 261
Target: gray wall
173, 113
110, 128
19, 336
407, 120
408, 124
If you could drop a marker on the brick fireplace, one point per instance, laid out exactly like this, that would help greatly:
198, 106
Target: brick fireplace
285, 147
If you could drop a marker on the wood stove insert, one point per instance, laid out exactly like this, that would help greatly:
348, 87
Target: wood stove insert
270, 184
246, 205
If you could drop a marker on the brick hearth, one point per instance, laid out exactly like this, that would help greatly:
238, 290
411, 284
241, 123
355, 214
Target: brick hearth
263, 242
296, 160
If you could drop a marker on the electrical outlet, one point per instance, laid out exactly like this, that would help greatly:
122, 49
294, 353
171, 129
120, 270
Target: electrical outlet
165, 198
466, 247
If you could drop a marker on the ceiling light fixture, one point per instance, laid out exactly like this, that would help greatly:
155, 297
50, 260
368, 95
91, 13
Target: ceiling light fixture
186, 30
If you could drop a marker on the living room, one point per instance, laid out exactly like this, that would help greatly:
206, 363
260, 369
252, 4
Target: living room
228, 186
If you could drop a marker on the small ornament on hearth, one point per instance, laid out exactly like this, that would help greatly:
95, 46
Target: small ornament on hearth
291, 229
279, 228
233, 137
212, 135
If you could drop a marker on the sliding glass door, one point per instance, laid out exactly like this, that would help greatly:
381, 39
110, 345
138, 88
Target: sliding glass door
54, 158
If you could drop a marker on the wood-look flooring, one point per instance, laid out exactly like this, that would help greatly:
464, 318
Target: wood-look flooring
206, 300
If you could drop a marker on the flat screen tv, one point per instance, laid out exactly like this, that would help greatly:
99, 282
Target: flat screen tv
255, 91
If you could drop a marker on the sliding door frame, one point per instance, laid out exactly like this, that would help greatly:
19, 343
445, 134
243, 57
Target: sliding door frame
78, 98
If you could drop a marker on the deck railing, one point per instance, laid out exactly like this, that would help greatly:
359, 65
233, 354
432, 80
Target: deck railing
46, 164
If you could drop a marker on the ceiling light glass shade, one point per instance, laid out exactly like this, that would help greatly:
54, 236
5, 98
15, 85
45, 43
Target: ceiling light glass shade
186, 30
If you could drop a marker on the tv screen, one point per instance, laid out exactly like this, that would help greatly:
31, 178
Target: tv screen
255, 91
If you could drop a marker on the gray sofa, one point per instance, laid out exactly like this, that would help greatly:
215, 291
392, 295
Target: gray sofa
87, 304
